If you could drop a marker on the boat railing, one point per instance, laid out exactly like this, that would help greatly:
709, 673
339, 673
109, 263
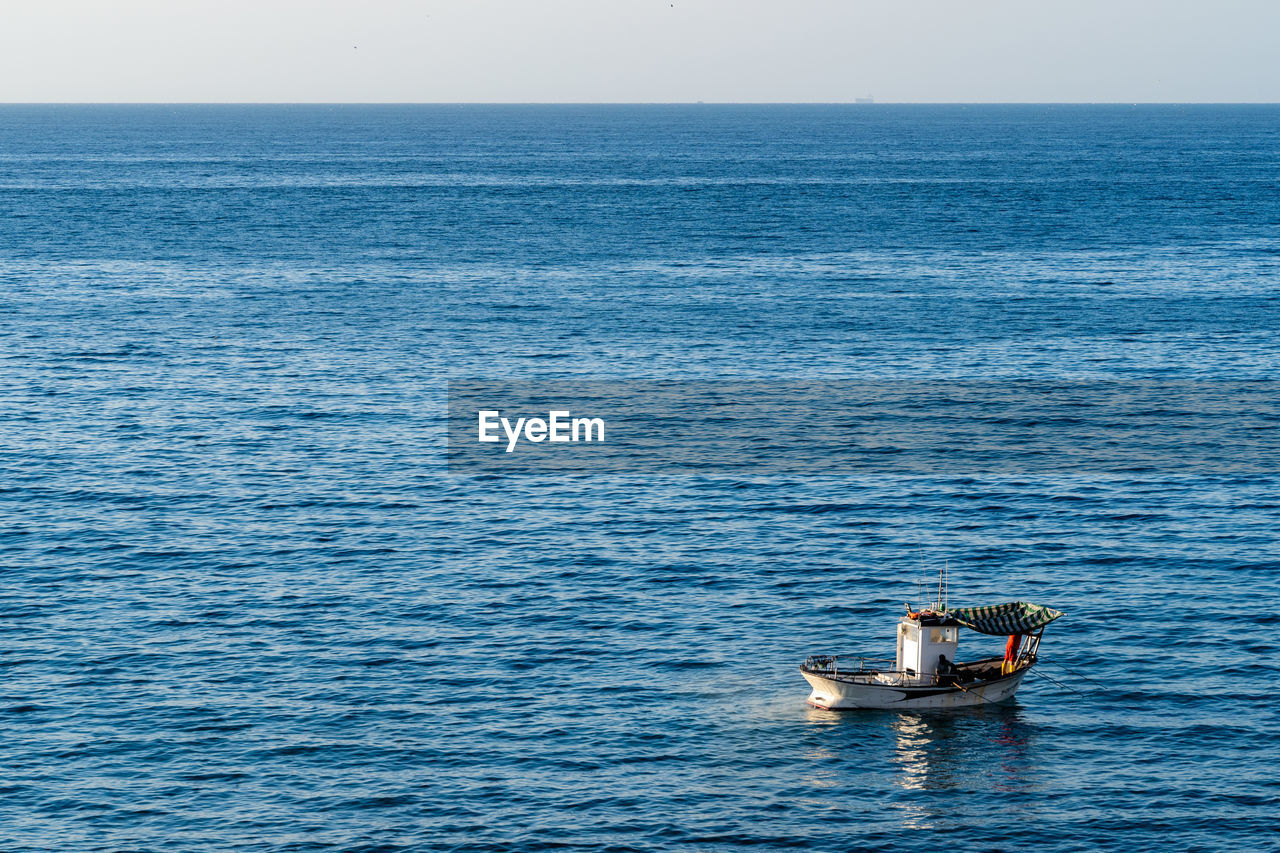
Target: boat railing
849, 664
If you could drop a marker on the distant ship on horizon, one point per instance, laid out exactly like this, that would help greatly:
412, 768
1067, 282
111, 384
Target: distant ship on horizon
867, 100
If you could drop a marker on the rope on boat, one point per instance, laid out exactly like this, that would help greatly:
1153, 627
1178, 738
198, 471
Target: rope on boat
1064, 686
1074, 673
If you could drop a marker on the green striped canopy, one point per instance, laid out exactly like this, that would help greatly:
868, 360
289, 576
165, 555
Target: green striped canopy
1014, 617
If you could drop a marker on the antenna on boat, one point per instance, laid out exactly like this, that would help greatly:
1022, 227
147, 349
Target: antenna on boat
944, 586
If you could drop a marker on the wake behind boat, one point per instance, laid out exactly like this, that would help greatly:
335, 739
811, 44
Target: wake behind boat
925, 674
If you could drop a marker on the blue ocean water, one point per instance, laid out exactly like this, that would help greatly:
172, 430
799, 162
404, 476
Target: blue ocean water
247, 607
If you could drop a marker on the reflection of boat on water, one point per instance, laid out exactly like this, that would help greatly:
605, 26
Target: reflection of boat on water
925, 674
989, 748
936, 751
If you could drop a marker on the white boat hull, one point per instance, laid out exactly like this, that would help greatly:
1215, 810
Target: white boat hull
848, 693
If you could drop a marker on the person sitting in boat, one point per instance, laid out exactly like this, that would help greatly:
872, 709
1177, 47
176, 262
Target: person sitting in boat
947, 672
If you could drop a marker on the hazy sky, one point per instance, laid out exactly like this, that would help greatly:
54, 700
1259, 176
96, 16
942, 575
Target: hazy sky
637, 50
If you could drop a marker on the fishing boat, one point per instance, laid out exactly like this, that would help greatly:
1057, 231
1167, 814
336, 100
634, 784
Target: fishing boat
926, 674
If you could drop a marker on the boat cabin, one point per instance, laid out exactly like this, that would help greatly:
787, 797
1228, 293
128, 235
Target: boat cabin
920, 643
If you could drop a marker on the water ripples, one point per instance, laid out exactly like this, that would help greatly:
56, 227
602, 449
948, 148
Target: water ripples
247, 608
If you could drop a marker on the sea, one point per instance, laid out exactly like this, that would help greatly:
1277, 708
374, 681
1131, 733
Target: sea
249, 606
